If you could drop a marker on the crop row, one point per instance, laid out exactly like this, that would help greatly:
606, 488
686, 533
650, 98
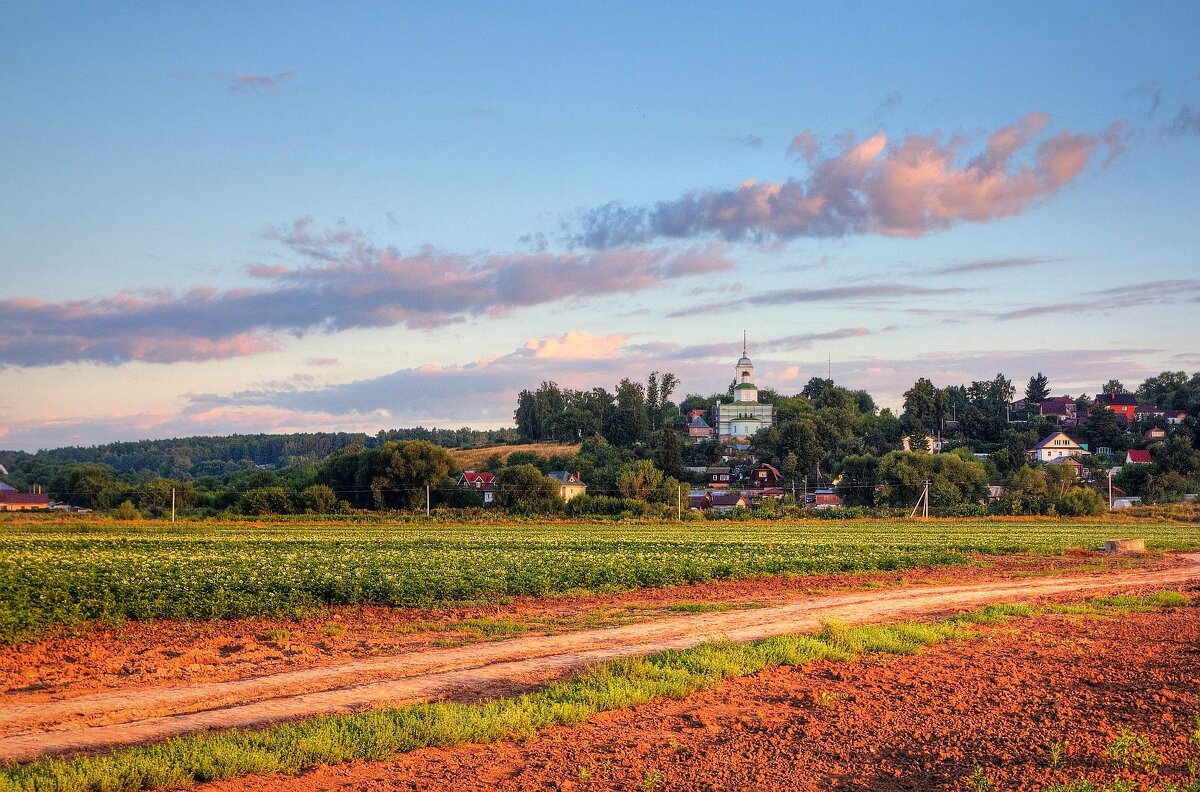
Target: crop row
52, 574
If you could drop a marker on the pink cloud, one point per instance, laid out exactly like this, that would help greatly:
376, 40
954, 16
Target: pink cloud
910, 187
576, 345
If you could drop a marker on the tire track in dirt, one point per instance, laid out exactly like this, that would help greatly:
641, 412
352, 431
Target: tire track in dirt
139, 715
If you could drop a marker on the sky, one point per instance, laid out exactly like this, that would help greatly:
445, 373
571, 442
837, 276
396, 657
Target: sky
277, 217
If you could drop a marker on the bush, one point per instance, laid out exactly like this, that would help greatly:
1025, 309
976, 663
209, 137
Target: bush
965, 510
844, 513
1082, 502
127, 511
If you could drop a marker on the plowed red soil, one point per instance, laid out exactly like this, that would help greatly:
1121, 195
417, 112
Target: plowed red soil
877, 723
33, 723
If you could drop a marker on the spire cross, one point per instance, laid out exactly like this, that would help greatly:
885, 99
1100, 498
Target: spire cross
743, 343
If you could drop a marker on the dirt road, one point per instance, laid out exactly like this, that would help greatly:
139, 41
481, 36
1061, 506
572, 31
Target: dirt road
142, 714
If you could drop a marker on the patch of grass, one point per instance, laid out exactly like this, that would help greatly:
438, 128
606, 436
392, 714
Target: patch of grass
702, 607
652, 780
1129, 748
277, 634
295, 747
978, 781
333, 630
827, 698
1056, 750
489, 628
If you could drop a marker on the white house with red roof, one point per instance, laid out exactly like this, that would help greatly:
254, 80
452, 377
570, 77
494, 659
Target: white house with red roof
483, 483
1138, 456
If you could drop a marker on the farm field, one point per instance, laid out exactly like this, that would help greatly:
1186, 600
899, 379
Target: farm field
127, 633
66, 573
71, 572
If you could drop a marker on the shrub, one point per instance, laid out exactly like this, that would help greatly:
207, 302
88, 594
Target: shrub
1082, 502
127, 511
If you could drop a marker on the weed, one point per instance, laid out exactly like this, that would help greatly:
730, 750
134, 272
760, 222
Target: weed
699, 607
1073, 786
333, 630
1056, 750
583, 772
490, 628
1130, 748
277, 634
978, 781
652, 780
827, 698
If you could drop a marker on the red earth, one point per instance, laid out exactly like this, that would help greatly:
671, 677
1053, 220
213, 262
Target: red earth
982, 713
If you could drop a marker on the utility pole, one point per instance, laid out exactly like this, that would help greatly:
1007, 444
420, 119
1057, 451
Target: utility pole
922, 501
679, 502
805, 491
926, 499
426, 500
173, 504
1110, 490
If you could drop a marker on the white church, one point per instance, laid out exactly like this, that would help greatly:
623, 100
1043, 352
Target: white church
739, 421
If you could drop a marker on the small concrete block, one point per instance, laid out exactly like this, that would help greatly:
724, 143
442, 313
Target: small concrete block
1124, 545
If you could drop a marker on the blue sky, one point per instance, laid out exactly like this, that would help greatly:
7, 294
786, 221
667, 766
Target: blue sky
278, 217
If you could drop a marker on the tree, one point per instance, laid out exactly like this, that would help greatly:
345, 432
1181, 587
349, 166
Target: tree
1082, 502
127, 511
1113, 386
319, 499
524, 489
640, 481
952, 478
669, 453
265, 500
629, 423
1038, 389
1104, 430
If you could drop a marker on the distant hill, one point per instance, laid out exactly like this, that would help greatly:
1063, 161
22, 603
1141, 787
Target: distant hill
191, 457
469, 458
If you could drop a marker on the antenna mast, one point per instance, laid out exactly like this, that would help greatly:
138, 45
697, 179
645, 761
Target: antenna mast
743, 343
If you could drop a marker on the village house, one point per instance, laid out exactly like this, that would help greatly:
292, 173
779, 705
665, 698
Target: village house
1054, 446
1123, 404
723, 501
1061, 409
483, 483
1138, 456
1154, 433
1174, 417
823, 499
12, 499
718, 477
570, 485
698, 428
1081, 471
932, 445
765, 476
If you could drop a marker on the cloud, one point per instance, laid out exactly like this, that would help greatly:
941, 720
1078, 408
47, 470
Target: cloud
1160, 292
840, 294
576, 345
1149, 93
908, 188
1186, 122
749, 141
986, 265
347, 283
255, 82
887, 105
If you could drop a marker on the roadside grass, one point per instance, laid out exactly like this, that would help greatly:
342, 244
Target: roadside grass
293, 748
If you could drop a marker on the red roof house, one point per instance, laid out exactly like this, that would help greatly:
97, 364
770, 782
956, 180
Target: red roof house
1138, 456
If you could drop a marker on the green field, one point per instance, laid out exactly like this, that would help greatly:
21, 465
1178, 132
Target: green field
63, 573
